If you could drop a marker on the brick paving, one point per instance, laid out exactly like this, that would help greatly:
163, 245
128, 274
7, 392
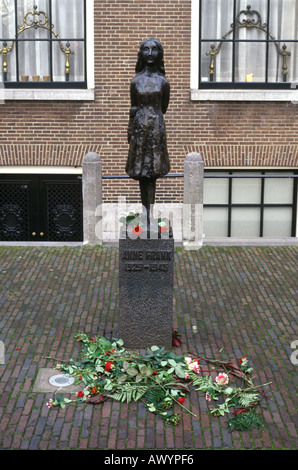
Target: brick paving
229, 301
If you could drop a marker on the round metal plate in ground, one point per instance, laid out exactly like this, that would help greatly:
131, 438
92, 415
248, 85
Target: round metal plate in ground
61, 380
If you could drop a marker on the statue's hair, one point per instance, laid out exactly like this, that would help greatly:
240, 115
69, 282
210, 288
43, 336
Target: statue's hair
140, 63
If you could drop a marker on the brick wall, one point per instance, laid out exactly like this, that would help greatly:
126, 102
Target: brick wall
225, 133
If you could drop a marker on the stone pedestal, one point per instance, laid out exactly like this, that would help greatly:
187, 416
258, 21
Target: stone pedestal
193, 201
146, 273
92, 198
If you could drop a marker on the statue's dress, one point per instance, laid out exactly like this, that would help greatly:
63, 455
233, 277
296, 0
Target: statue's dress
148, 155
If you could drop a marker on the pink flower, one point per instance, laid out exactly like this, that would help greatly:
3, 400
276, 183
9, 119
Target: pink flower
194, 366
208, 397
222, 379
186, 376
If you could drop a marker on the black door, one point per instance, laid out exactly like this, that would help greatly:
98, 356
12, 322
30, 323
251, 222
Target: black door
41, 208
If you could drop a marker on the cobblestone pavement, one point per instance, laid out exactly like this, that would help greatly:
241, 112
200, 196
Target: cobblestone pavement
227, 300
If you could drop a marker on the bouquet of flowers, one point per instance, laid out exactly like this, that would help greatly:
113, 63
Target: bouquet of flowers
161, 379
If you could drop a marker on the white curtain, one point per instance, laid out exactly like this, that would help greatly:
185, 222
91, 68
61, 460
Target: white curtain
34, 56
250, 58
7, 33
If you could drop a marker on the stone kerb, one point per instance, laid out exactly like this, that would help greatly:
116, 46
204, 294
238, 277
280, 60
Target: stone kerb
2, 353
193, 201
92, 198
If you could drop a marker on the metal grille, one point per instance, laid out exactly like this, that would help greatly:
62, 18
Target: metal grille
14, 212
64, 205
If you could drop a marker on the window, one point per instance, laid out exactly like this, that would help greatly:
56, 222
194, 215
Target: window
250, 204
43, 44
244, 49
245, 45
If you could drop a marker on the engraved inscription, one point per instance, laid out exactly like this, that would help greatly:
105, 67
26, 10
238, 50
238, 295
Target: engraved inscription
159, 255
130, 255
149, 260
146, 267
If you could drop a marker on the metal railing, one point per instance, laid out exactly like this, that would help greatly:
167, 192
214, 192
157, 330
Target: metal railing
210, 175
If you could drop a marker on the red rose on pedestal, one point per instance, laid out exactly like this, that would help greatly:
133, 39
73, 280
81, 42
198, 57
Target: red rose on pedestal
137, 230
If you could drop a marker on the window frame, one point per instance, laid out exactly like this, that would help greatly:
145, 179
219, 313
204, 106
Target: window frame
220, 92
261, 174
59, 90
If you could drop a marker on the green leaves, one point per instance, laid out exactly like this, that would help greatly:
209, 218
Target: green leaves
60, 401
129, 218
128, 393
160, 378
244, 421
169, 362
140, 372
108, 370
132, 371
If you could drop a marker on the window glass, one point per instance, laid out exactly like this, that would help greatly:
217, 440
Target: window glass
7, 20
68, 18
26, 17
246, 190
216, 190
215, 222
76, 61
247, 68
34, 66
245, 222
216, 17
277, 222
278, 190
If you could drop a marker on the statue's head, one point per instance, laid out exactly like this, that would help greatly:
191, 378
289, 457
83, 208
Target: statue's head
148, 43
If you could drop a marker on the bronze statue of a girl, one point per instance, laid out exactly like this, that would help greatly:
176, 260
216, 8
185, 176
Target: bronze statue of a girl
148, 157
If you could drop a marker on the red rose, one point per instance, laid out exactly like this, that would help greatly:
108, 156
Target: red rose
181, 400
137, 230
243, 359
108, 366
154, 372
81, 394
163, 229
110, 352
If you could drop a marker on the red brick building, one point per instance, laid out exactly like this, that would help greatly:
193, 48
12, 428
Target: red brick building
48, 126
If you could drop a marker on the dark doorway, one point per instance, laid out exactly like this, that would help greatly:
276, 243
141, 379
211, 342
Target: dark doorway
41, 208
